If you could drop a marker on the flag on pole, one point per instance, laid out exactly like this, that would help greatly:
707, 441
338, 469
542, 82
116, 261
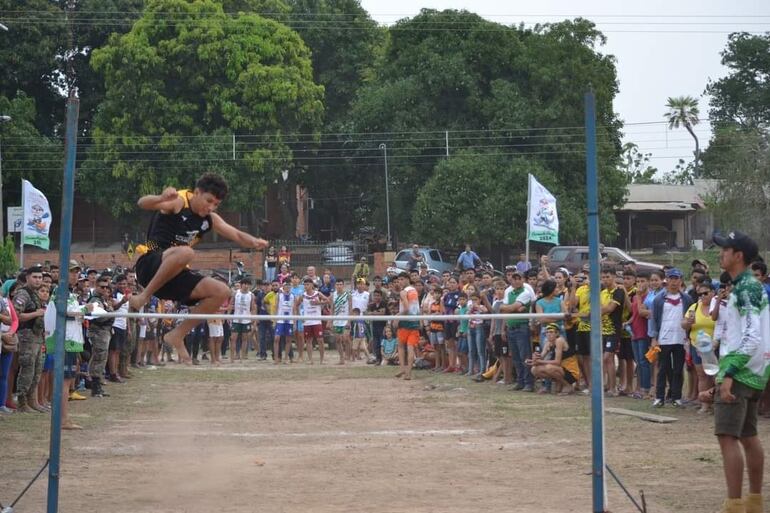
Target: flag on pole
37, 217
543, 220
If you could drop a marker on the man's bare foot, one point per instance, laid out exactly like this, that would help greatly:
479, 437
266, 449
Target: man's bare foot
400, 374
407, 377
340, 363
136, 301
69, 425
178, 344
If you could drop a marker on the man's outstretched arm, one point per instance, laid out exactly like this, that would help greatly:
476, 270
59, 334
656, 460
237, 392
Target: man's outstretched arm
168, 201
232, 233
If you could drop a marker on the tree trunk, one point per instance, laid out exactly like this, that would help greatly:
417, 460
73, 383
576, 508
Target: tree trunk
696, 171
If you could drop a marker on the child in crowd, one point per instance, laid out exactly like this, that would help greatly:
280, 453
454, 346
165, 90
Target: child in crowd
389, 346
436, 329
462, 332
44, 385
477, 346
358, 332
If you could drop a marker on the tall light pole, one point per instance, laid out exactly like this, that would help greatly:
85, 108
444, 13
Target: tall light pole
3, 119
384, 149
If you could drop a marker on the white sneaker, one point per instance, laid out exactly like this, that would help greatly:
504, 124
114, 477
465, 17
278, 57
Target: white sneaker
657, 403
678, 403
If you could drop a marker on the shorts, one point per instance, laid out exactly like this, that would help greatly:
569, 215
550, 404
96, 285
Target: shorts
313, 331
626, 351
571, 369
408, 336
610, 343
70, 365
583, 343
501, 347
284, 329
118, 339
738, 418
462, 344
216, 330
48, 365
436, 338
450, 330
179, 288
241, 328
696, 359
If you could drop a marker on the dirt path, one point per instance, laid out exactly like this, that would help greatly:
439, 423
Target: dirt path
352, 440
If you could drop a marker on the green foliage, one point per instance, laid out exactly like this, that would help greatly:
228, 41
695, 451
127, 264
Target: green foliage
8, 264
26, 153
506, 91
743, 96
177, 90
636, 165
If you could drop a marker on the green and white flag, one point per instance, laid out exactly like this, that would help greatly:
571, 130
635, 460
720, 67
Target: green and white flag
37, 217
542, 218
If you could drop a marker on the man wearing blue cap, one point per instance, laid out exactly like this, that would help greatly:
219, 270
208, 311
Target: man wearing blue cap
668, 310
743, 374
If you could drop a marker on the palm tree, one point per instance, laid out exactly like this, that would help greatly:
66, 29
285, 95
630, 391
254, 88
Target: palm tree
683, 110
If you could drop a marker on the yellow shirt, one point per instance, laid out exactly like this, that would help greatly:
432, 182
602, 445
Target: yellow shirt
583, 294
270, 302
702, 322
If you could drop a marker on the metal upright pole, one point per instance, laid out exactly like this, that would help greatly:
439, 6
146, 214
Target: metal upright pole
597, 374
384, 148
62, 294
529, 198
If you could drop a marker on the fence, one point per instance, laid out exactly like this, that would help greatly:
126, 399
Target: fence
324, 254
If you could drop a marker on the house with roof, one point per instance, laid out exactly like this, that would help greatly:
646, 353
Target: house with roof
665, 216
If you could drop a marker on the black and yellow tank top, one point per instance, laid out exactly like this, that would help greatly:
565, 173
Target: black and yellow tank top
184, 228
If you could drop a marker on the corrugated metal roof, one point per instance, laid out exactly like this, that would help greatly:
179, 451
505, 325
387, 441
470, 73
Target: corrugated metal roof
657, 206
665, 197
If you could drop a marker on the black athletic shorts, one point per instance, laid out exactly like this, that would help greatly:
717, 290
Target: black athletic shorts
179, 288
450, 330
610, 343
118, 339
583, 343
501, 347
626, 351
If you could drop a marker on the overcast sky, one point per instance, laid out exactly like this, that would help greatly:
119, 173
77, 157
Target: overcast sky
655, 57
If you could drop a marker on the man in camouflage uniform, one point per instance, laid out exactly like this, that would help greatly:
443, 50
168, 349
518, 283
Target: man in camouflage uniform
31, 336
99, 333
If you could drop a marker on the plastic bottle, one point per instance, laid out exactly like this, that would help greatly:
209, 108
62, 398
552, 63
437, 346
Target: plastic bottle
706, 350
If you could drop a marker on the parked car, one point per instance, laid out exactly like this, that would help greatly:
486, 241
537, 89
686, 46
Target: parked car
431, 256
573, 257
338, 253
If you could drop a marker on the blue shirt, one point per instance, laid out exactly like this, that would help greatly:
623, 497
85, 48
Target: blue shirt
651, 295
389, 346
523, 267
467, 260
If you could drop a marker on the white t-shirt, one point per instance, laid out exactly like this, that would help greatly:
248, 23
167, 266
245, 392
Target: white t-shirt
360, 300
671, 331
120, 322
242, 306
528, 296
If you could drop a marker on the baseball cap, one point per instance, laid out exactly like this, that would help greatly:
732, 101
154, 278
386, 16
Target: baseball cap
737, 241
699, 262
552, 326
674, 273
74, 265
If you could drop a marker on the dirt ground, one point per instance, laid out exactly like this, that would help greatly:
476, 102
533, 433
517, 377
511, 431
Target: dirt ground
264, 438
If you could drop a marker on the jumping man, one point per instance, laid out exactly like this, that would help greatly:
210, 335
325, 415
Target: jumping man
181, 219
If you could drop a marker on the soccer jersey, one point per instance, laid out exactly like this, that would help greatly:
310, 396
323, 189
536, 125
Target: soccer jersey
583, 294
285, 306
242, 306
612, 323
311, 306
412, 307
341, 307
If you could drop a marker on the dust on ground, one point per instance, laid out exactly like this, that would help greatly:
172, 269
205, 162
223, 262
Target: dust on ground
258, 437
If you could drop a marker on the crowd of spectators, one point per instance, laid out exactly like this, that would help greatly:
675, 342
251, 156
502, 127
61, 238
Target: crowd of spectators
650, 327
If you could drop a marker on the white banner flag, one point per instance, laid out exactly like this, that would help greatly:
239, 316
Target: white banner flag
543, 218
37, 217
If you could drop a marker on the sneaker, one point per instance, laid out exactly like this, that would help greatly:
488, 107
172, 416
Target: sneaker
528, 388
657, 403
74, 396
517, 387
678, 403
6, 410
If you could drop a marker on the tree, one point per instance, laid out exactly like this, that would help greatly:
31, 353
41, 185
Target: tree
683, 111
743, 96
185, 80
8, 264
636, 165
508, 91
